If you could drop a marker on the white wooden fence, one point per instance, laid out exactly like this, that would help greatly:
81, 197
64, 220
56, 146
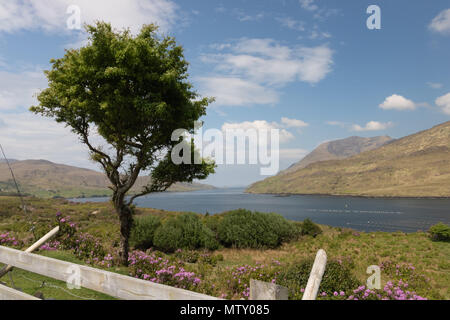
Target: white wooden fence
110, 283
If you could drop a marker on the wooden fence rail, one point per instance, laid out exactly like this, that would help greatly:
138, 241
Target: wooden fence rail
7, 293
113, 284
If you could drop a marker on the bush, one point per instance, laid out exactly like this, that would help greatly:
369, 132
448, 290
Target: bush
143, 231
336, 278
245, 229
440, 232
310, 228
185, 231
189, 256
212, 222
152, 267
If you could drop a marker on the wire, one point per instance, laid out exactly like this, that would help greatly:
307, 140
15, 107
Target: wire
24, 207
50, 285
12, 281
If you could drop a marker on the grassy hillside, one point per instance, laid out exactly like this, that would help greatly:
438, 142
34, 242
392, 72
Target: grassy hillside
413, 257
339, 149
45, 179
414, 166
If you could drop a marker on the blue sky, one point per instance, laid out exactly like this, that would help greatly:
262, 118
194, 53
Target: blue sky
309, 67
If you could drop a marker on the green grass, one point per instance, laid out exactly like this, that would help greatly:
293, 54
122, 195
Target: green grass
431, 259
32, 283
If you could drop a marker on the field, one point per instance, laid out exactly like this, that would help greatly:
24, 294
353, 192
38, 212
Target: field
406, 258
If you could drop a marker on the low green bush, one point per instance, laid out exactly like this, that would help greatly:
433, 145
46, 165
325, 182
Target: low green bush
245, 229
185, 231
212, 221
143, 231
310, 228
189, 256
440, 232
336, 278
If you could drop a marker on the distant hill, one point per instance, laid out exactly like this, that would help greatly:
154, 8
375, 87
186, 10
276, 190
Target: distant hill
46, 179
414, 166
9, 160
339, 149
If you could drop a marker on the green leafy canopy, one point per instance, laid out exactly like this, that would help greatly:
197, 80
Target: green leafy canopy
133, 90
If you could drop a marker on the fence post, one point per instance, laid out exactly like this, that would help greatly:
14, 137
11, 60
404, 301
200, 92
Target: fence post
312, 287
260, 290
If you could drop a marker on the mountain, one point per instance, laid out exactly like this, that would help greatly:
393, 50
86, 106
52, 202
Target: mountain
339, 149
47, 179
9, 160
417, 165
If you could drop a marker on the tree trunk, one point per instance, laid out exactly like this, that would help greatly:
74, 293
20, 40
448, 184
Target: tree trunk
126, 219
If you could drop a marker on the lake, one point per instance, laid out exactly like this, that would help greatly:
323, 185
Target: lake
364, 214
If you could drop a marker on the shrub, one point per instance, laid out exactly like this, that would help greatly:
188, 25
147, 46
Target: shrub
84, 245
88, 248
391, 291
7, 239
143, 231
238, 278
208, 258
189, 256
440, 232
245, 229
212, 222
310, 228
337, 278
152, 267
185, 231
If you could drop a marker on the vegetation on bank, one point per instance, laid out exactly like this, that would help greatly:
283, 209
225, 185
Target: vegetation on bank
212, 253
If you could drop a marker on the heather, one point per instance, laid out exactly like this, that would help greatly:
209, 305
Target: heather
413, 266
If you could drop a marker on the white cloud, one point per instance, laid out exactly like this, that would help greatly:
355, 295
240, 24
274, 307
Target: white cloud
315, 34
293, 154
249, 71
372, 126
397, 102
285, 123
265, 61
242, 16
336, 123
231, 91
29, 136
293, 123
444, 103
51, 15
319, 13
435, 85
293, 24
19, 89
308, 5
441, 23
258, 125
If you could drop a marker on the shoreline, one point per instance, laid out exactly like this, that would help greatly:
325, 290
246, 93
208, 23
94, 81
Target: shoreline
285, 194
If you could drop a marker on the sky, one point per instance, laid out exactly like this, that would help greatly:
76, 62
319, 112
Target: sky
310, 68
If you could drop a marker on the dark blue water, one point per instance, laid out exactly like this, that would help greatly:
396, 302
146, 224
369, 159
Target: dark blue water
362, 214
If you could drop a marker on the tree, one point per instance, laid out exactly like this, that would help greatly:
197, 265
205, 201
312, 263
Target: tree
133, 91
